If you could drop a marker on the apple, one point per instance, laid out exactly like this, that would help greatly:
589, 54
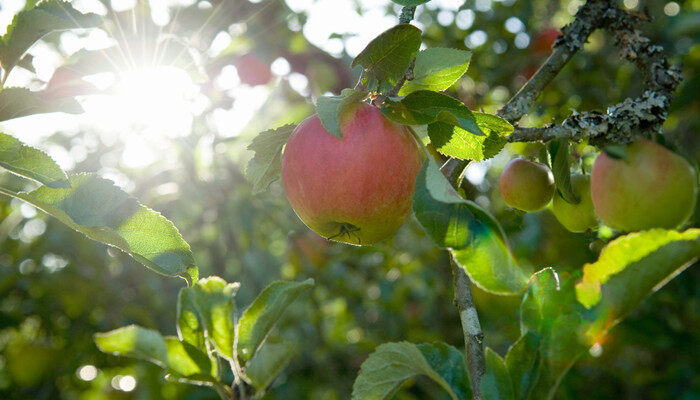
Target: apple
544, 40
357, 189
252, 71
578, 217
526, 185
651, 187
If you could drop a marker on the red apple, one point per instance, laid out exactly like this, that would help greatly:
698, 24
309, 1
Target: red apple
252, 71
526, 185
544, 40
357, 189
651, 187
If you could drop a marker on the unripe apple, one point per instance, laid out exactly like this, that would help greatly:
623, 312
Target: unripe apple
526, 185
651, 187
252, 71
578, 217
356, 189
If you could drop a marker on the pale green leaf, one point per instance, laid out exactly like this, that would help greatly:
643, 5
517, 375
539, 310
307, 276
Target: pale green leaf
330, 108
265, 166
189, 364
31, 163
267, 363
189, 328
213, 300
19, 102
134, 341
437, 69
456, 142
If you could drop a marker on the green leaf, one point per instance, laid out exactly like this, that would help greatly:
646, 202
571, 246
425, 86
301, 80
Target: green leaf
330, 108
449, 363
629, 269
437, 69
257, 321
189, 364
19, 102
410, 2
264, 168
474, 237
105, 213
213, 300
559, 152
31, 163
387, 57
267, 363
458, 143
496, 383
134, 341
424, 107
189, 328
389, 366
523, 361
32, 24
675, 249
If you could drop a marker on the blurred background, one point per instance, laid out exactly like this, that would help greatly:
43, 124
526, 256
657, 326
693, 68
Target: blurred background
171, 128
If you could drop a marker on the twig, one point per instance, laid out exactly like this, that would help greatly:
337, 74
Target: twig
407, 14
473, 336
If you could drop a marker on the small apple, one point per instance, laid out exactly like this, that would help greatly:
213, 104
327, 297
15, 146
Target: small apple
544, 40
252, 71
357, 189
651, 187
578, 217
526, 185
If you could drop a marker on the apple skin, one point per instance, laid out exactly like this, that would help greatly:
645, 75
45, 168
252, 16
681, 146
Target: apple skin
357, 189
526, 185
252, 71
651, 188
576, 217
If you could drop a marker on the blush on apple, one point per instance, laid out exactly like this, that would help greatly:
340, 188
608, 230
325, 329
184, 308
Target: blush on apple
252, 71
526, 185
357, 189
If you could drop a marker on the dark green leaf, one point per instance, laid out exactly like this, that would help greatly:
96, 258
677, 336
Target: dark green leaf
330, 108
448, 362
32, 24
19, 102
387, 57
559, 152
522, 362
437, 69
264, 168
267, 363
134, 341
262, 315
496, 383
103, 212
410, 2
389, 366
31, 163
424, 107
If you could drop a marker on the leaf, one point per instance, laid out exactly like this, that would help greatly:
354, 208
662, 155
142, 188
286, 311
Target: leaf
189, 328
32, 24
257, 321
522, 362
19, 102
31, 163
626, 251
559, 151
474, 237
449, 363
213, 300
105, 213
330, 108
387, 57
437, 69
496, 383
134, 341
267, 363
189, 364
264, 168
389, 366
424, 107
629, 269
456, 142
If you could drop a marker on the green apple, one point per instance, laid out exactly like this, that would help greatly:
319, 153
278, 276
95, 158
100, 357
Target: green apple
526, 185
357, 189
651, 187
578, 217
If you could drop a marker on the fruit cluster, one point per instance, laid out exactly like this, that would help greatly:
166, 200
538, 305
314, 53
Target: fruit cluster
647, 187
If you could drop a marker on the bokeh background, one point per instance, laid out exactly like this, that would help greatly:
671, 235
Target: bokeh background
175, 138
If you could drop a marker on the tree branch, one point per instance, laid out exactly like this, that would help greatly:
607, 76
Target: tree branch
473, 336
